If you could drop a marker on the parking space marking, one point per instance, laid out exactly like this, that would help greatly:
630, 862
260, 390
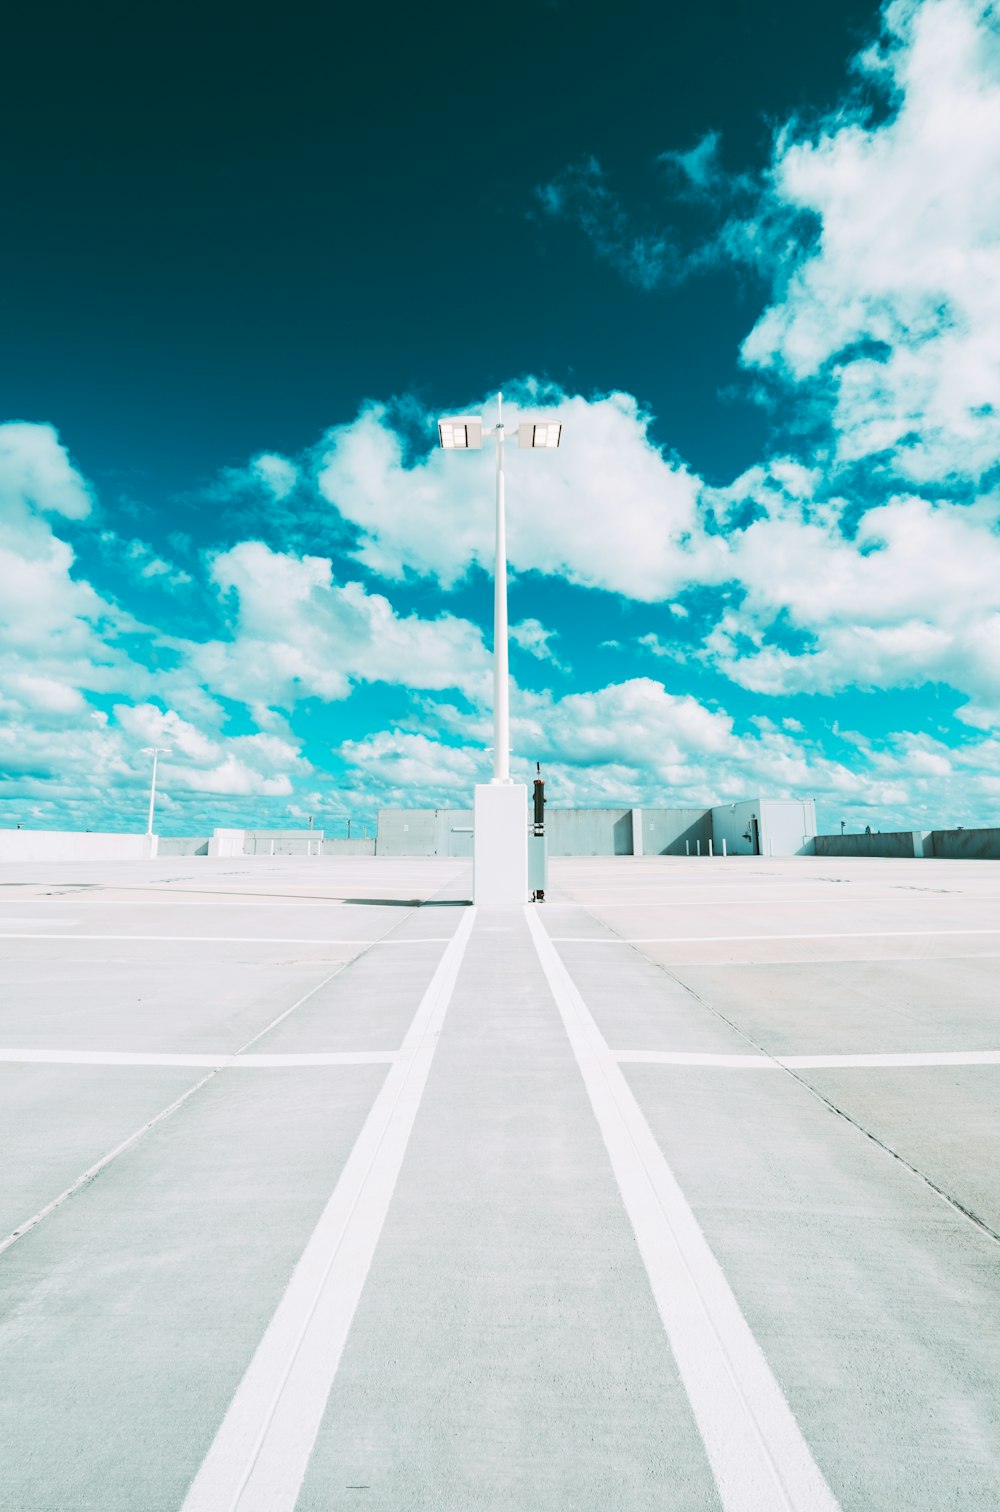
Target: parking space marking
758, 1456
259, 1456
189, 939
92, 1172
807, 1062
220, 1062
758, 938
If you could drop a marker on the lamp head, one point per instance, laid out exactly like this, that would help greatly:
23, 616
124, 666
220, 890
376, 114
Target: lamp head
539, 434
460, 433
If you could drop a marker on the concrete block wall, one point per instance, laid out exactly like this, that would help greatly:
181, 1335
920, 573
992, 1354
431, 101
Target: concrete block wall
965, 844
897, 843
588, 832
424, 832
671, 832
183, 845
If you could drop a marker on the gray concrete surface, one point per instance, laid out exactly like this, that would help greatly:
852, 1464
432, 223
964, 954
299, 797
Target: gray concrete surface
506, 1350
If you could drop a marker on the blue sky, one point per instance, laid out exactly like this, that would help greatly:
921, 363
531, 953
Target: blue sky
749, 257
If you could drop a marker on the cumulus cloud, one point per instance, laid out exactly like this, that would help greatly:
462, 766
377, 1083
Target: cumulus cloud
297, 634
913, 596
636, 742
893, 307
532, 636
608, 510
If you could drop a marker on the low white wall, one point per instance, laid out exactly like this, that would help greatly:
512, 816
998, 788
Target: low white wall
74, 845
226, 842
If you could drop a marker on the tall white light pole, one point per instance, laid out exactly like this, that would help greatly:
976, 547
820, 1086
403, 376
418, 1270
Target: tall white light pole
153, 751
465, 433
501, 678
500, 855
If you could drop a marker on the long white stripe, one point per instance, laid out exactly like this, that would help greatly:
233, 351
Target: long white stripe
758, 1455
763, 939
187, 939
807, 1062
221, 1062
259, 1456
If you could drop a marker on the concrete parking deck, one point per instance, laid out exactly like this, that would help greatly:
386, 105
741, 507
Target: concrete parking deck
324, 1190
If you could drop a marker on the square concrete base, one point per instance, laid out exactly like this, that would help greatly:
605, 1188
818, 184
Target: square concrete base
500, 845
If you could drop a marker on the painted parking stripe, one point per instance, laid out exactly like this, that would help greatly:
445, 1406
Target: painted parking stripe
189, 939
259, 1456
758, 938
807, 1062
221, 1062
758, 1456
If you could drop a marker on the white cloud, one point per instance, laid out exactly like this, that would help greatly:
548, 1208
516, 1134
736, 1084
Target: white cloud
36, 475
637, 743
277, 473
608, 510
532, 636
201, 763
299, 634
913, 597
898, 304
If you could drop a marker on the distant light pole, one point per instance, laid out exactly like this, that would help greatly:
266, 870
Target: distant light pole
500, 808
154, 751
465, 433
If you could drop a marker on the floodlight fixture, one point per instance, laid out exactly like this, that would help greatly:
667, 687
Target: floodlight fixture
460, 433
541, 434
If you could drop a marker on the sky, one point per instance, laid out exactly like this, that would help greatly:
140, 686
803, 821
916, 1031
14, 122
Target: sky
749, 255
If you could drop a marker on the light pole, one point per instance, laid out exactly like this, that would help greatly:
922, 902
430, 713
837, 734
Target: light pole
500, 854
154, 751
465, 433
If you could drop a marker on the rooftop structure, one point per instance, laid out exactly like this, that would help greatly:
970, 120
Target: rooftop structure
330, 1186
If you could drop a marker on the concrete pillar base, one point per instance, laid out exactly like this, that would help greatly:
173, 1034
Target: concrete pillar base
500, 845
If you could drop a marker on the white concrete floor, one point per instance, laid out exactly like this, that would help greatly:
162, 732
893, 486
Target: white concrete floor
321, 1189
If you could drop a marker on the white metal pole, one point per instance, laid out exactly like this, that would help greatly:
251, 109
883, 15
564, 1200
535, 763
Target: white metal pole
152, 793
501, 692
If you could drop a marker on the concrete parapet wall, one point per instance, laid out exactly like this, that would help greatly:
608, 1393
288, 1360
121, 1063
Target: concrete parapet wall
282, 842
424, 832
588, 832
183, 845
675, 832
74, 845
898, 843
964, 844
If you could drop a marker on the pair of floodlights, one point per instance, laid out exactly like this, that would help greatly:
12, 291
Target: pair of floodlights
465, 433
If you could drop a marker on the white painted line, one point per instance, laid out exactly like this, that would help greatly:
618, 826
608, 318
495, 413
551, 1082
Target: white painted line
193, 939
807, 1062
259, 1456
95, 1170
221, 939
758, 1455
759, 937
46, 924
221, 1062
693, 1058
914, 1058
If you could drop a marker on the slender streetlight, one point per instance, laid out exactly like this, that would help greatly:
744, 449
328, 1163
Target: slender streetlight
465, 433
500, 807
153, 751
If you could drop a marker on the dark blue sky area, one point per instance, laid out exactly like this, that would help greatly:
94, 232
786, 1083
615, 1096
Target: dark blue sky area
227, 227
